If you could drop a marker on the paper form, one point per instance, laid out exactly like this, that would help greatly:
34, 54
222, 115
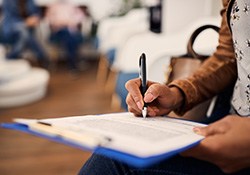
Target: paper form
133, 135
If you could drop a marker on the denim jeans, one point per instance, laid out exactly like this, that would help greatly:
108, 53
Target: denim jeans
70, 42
22, 37
120, 86
101, 165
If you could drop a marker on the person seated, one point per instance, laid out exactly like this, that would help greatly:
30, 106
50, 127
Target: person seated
20, 19
64, 19
225, 148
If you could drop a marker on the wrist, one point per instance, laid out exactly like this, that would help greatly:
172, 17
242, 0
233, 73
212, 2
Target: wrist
178, 97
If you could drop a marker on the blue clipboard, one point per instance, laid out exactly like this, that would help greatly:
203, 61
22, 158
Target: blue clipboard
135, 161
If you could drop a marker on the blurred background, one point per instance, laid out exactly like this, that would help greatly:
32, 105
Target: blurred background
68, 58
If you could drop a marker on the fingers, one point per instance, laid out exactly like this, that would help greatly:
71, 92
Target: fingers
208, 149
210, 130
132, 107
152, 93
134, 98
214, 134
219, 127
220, 146
213, 149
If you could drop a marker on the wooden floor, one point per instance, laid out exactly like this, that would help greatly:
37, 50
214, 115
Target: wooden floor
67, 96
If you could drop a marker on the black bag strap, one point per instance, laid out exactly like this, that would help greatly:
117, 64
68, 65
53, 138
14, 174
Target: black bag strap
190, 50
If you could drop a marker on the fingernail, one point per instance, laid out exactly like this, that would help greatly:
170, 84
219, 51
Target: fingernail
197, 130
139, 105
148, 97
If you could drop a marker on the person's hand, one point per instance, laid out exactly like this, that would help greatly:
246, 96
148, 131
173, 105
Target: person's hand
160, 98
32, 21
226, 144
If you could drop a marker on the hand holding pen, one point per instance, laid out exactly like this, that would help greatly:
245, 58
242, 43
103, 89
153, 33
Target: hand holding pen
149, 98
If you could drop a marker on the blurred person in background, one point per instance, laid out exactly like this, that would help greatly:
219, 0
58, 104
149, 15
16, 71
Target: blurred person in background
20, 19
65, 19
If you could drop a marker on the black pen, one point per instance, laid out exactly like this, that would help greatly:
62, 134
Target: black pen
143, 77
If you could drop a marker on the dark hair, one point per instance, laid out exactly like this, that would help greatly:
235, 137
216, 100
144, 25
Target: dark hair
22, 4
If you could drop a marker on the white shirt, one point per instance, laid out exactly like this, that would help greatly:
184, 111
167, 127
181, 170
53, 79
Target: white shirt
64, 14
240, 25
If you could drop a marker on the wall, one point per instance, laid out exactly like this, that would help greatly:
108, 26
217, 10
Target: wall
216, 7
179, 13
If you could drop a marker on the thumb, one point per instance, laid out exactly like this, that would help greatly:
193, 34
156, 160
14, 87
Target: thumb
215, 128
153, 92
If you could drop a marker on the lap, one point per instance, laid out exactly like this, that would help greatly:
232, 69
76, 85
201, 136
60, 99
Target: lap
177, 165
64, 34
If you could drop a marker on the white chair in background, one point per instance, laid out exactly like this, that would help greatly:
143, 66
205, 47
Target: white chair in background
179, 19
156, 45
114, 30
113, 33
20, 84
13, 69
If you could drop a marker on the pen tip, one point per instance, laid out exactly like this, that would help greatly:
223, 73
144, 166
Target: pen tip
144, 112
